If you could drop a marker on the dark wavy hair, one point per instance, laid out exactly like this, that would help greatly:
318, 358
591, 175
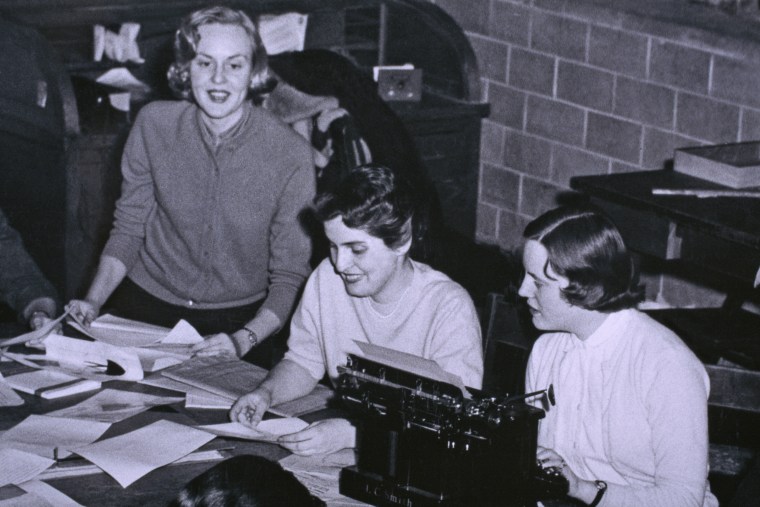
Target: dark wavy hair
371, 198
186, 46
585, 247
245, 481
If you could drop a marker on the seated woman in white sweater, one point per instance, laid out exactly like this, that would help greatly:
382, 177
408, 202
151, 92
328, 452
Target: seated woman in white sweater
369, 290
630, 424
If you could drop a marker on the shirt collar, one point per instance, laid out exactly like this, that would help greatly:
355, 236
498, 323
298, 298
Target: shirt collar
215, 140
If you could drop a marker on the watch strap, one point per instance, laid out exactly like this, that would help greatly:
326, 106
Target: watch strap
601, 488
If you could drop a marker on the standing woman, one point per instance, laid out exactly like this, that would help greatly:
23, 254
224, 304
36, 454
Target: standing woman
207, 226
630, 424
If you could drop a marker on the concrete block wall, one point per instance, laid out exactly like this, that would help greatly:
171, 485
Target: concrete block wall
582, 87
578, 87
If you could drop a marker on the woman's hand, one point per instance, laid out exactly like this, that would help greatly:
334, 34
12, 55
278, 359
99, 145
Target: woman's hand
321, 437
250, 408
215, 345
578, 488
83, 310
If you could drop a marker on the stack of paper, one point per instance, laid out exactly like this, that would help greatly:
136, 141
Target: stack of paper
157, 347
225, 378
51, 384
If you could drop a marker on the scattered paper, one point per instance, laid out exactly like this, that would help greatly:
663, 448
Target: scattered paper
201, 399
26, 500
111, 405
19, 466
48, 493
34, 335
220, 375
120, 47
128, 457
325, 464
320, 474
232, 378
183, 333
267, 431
122, 332
51, 383
93, 360
51, 437
8, 397
283, 32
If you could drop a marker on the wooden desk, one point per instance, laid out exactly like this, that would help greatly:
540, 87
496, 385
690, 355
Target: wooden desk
720, 235
714, 240
156, 488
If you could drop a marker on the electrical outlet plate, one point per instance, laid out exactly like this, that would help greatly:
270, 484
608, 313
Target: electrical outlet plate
400, 84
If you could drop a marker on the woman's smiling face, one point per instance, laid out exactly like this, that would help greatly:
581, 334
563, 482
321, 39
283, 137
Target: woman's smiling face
221, 72
367, 266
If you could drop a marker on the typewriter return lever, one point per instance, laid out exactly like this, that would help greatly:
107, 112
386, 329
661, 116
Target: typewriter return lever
546, 394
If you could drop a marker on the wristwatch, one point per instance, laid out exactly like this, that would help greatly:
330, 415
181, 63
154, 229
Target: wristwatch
601, 487
253, 338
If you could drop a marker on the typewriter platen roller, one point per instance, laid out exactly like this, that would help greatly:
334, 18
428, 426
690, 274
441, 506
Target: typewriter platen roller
422, 443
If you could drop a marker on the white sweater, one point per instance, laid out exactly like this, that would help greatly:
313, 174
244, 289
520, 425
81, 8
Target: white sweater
631, 411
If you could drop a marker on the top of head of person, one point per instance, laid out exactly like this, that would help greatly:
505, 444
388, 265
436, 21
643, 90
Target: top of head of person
367, 219
578, 269
245, 481
219, 58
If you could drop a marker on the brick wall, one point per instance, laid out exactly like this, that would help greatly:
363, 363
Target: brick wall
579, 88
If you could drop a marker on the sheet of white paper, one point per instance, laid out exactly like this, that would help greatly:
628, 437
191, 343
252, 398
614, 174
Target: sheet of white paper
120, 77
128, 457
111, 405
19, 466
199, 399
283, 32
89, 359
26, 500
48, 493
157, 357
327, 489
266, 431
32, 382
411, 363
8, 397
122, 332
41, 434
325, 464
182, 333
34, 335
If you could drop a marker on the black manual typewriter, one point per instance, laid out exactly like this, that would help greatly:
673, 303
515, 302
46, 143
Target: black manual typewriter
421, 442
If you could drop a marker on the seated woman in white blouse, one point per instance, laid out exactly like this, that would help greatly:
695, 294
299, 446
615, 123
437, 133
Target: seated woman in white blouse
630, 424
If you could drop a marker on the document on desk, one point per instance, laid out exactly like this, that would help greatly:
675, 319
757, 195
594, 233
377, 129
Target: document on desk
19, 466
8, 397
129, 457
267, 431
48, 494
232, 378
320, 474
111, 405
51, 437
